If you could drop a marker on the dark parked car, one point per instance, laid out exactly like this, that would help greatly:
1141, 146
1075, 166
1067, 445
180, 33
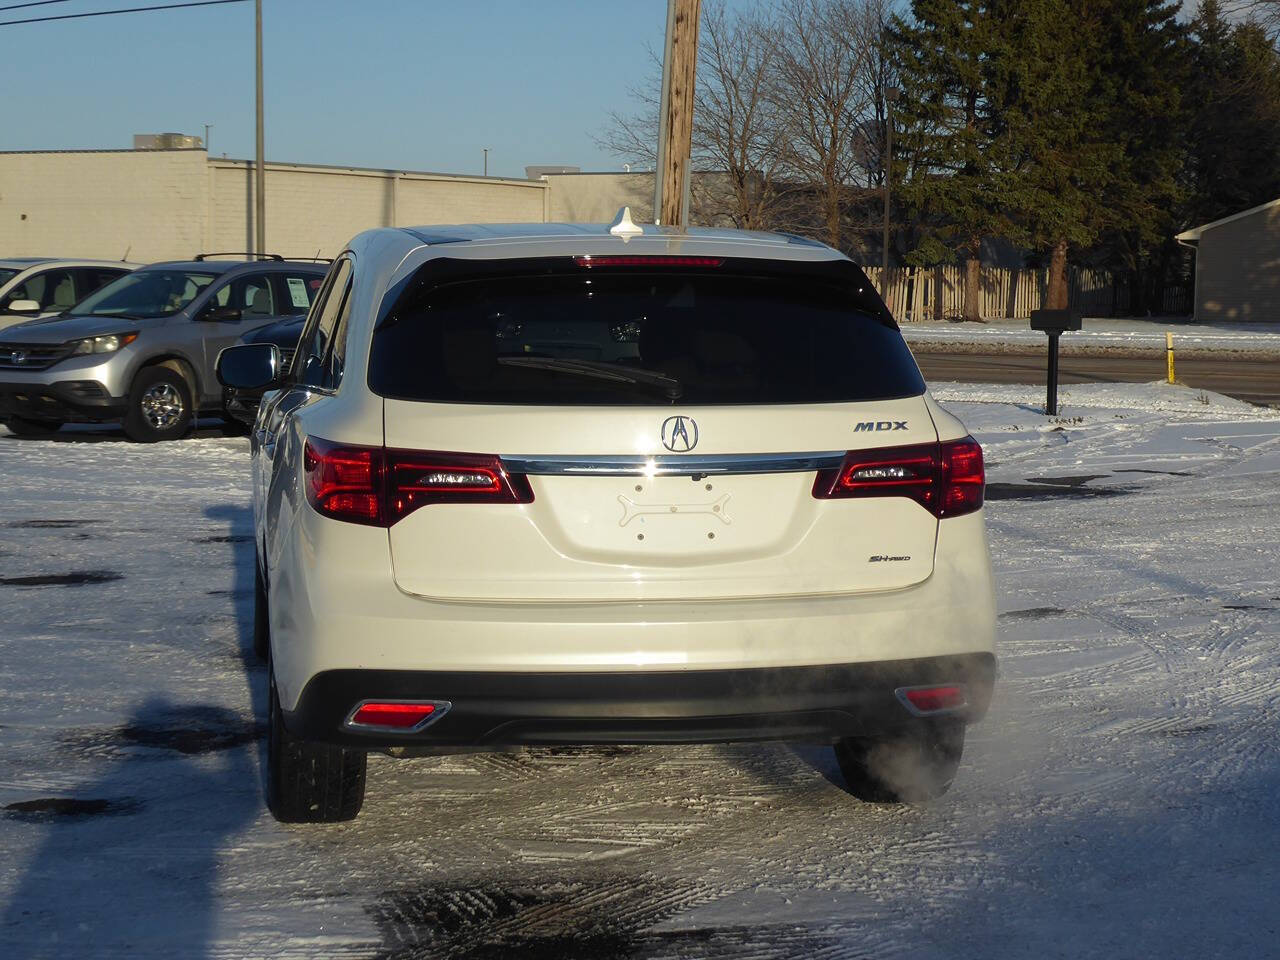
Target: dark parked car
242, 405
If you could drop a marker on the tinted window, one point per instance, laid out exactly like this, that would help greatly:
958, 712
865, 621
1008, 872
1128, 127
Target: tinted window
310, 363
617, 336
337, 360
7, 274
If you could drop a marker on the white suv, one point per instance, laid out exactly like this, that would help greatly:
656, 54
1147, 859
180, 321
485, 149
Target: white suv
546, 484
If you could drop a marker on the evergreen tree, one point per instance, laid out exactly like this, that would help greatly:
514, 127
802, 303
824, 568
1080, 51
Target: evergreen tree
1051, 144
1141, 74
1053, 123
951, 187
1233, 146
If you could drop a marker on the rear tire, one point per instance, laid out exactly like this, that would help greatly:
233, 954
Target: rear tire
33, 429
160, 406
910, 768
310, 782
261, 625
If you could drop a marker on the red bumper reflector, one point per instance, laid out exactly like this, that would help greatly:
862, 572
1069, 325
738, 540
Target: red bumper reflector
401, 716
934, 699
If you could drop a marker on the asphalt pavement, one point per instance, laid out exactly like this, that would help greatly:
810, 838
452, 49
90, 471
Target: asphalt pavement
1257, 381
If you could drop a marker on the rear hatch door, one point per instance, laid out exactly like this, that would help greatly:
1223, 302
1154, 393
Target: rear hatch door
670, 423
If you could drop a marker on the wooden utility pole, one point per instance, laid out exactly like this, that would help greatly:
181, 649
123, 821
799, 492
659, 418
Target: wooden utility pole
890, 98
675, 121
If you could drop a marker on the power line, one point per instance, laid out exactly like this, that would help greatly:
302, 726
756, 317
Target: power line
108, 13
37, 3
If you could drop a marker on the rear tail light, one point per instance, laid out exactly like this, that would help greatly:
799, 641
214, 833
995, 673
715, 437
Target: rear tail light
945, 478
344, 482
923, 701
963, 477
376, 486
417, 479
397, 716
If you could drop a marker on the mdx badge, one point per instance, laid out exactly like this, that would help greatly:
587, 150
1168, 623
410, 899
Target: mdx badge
879, 425
679, 434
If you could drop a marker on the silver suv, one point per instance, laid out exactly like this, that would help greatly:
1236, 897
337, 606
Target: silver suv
141, 350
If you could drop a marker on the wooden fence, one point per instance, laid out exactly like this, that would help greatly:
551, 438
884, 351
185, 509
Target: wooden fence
937, 293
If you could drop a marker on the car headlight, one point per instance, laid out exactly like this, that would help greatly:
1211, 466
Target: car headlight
108, 344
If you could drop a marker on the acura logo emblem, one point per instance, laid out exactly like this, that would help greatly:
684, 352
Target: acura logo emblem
679, 434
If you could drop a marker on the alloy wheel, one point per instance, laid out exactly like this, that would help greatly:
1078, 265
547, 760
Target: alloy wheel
162, 405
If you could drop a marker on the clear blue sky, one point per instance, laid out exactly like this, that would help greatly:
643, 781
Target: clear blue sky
405, 84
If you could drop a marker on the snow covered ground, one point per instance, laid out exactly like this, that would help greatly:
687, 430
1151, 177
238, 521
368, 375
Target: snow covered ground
1121, 800
1102, 334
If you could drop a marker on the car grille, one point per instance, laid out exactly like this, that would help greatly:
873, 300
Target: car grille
34, 356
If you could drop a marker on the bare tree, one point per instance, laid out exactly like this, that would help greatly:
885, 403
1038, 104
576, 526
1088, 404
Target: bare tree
739, 146
827, 77
789, 122
1266, 13
737, 126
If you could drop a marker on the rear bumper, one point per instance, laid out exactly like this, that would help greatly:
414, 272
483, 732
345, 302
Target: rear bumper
63, 401
812, 703
334, 608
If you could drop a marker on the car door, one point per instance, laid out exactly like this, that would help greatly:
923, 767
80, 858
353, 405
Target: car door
311, 377
244, 303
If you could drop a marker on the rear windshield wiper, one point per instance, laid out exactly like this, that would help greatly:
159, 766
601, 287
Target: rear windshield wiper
670, 386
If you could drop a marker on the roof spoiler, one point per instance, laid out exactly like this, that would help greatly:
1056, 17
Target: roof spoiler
238, 253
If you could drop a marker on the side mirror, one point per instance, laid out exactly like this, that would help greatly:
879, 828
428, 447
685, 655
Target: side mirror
249, 366
221, 315
23, 306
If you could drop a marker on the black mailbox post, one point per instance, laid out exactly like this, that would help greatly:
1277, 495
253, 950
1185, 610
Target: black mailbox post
1054, 322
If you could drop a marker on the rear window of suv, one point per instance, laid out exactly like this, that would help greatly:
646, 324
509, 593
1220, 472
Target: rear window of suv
556, 333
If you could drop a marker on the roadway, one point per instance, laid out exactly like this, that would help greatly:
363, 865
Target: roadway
1257, 381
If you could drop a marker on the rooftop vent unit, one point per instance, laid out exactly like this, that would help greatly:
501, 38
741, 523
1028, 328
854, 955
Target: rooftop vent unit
166, 141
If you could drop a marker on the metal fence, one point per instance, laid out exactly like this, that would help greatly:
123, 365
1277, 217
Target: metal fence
937, 293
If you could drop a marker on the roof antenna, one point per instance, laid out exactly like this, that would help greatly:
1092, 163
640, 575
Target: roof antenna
126, 253
623, 226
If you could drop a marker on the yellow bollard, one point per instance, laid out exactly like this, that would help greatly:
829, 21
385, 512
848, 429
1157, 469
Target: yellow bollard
1168, 352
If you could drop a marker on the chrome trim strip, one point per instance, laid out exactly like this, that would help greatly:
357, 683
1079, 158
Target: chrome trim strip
679, 465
